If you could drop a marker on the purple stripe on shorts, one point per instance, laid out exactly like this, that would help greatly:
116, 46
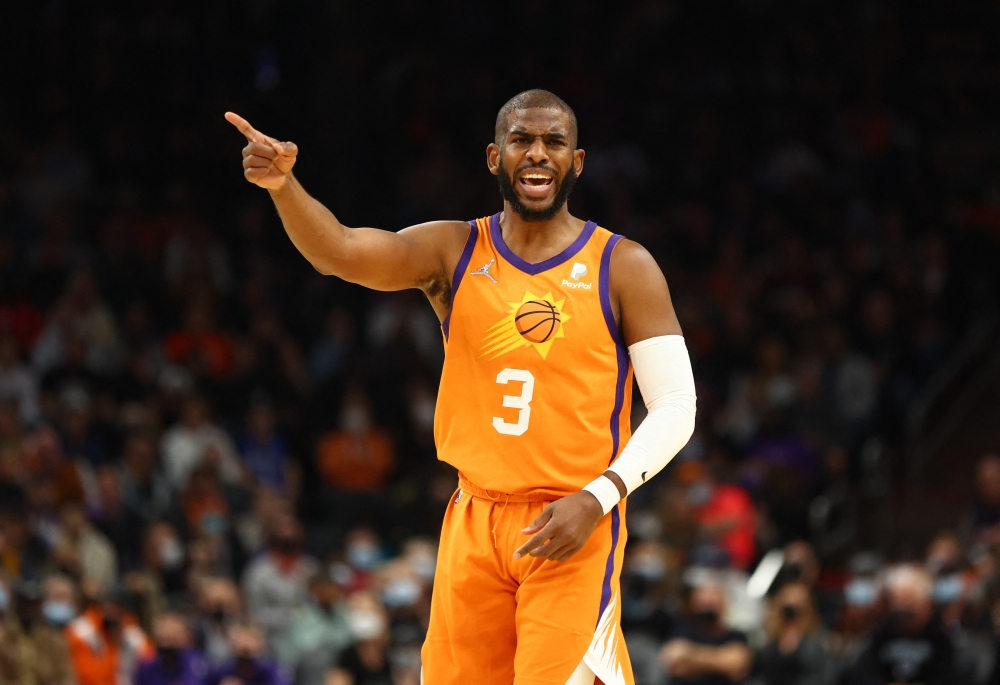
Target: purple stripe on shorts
456, 279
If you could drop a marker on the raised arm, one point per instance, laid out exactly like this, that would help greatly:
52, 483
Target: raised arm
417, 257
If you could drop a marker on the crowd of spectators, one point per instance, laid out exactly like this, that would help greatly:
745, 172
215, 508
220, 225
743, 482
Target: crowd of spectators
217, 466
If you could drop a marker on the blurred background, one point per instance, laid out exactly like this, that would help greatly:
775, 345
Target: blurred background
217, 465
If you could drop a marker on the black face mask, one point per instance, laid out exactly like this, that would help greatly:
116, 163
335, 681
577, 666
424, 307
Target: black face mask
246, 665
706, 620
902, 619
169, 656
287, 545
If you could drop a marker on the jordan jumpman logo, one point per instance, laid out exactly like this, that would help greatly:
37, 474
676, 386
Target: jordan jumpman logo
484, 271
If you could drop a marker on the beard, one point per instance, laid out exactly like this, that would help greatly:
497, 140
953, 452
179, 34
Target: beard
509, 193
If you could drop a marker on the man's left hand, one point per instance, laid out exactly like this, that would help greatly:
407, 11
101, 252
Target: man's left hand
563, 527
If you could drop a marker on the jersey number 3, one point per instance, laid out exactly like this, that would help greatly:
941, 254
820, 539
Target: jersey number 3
520, 402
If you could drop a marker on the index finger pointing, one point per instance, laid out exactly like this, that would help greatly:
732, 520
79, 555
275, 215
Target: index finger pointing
244, 126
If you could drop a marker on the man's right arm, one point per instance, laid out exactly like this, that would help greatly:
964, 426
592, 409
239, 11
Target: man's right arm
416, 257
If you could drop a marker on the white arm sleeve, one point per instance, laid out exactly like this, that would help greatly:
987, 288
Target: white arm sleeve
663, 370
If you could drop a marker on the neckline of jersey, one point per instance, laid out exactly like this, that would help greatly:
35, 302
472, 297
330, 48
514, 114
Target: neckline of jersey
545, 265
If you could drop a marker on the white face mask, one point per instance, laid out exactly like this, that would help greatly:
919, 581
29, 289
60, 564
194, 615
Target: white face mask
422, 414
401, 592
649, 567
699, 493
424, 566
365, 624
171, 553
362, 555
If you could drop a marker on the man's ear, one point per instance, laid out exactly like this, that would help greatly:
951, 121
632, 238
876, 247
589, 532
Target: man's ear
493, 158
578, 156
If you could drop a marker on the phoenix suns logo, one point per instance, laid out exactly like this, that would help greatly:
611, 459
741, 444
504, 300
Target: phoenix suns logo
533, 322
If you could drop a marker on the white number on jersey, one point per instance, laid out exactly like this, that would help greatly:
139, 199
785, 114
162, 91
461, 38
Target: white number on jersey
519, 402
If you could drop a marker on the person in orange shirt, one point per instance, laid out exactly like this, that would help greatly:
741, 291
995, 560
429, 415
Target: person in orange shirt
207, 351
359, 456
106, 645
544, 317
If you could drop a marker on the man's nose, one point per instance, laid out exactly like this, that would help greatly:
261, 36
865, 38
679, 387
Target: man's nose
538, 153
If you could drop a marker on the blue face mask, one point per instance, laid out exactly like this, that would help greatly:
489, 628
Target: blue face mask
400, 593
948, 589
4, 599
860, 593
58, 613
362, 555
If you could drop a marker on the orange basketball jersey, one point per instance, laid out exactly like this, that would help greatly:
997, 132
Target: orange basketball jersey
536, 390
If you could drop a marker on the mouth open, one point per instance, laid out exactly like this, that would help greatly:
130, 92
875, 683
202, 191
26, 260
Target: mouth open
535, 183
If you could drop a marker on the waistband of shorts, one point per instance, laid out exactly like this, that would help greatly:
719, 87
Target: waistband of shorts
467, 486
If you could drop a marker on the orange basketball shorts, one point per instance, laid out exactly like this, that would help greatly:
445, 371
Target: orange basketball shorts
500, 621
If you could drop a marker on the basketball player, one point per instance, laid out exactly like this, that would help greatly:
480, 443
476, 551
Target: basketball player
544, 318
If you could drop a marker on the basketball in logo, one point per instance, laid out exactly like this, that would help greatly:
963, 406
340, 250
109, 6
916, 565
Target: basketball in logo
537, 320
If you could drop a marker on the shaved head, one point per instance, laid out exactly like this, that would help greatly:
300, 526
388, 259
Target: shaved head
529, 99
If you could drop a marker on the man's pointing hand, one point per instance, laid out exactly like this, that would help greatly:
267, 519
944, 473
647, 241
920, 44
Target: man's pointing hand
266, 162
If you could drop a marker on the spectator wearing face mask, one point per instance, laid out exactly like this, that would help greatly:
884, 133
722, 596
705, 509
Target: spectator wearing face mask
219, 606
911, 646
176, 663
862, 607
366, 662
161, 572
317, 633
796, 652
106, 645
362, 552
646, 623
703, 651
249, 665
406, 600
275, 583
39, 645
724, 513
358, 456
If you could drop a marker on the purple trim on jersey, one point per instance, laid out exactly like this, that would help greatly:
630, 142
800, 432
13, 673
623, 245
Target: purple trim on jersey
456, 279
621, 354
609, 568
535, 269
604, 286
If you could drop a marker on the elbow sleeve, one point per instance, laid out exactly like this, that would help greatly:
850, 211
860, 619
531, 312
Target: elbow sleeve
663, 370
